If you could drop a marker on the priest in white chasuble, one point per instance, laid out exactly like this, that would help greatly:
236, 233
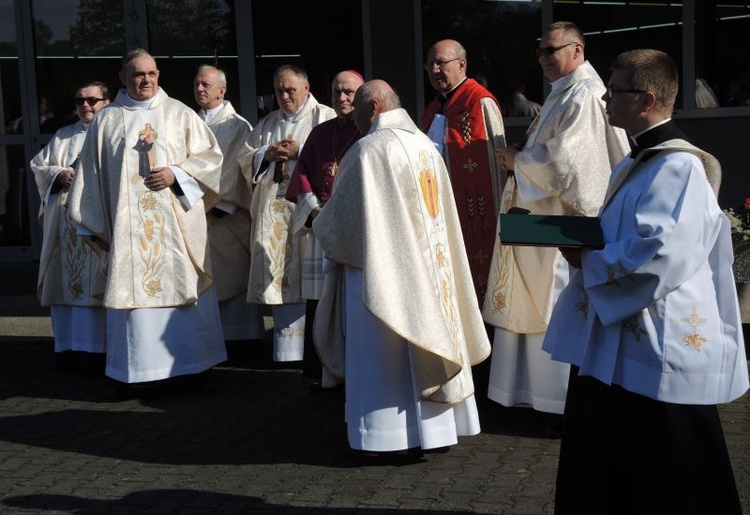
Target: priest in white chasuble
149, 169
71, 276
268, 161
562, 169
229, 220
412, 326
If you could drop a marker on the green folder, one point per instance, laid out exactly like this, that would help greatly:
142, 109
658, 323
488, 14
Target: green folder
551, 231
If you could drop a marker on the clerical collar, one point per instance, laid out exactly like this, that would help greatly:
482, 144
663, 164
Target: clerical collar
143, 104
654, 135
291, 118
210, 114
444, 97
635, 137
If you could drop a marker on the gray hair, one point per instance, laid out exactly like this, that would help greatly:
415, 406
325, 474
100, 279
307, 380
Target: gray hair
132, 55
290, 68
570, 29
222, 75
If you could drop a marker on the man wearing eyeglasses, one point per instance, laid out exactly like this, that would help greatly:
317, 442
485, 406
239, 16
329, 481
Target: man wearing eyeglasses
650, 323
229, 221
562, 169
465, 123
70, 278
163, 318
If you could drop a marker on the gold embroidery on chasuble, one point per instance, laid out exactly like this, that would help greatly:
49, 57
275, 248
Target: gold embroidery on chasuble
151, 242
465, 127
470, 207
694, 338
280, 218
503, 268
76, 256
470, 165
446, 289
428, 185
151, 222
427, 180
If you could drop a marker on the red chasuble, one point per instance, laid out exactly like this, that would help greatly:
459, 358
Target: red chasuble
466, 153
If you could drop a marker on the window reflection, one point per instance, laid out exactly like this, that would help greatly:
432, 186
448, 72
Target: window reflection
184, 35
10, 94
722, 67
76, 41
14, 207
612, 27
312, 37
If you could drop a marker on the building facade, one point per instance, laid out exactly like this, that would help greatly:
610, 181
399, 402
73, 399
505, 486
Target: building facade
48, 47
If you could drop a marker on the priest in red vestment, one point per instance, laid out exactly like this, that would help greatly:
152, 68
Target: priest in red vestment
465, 123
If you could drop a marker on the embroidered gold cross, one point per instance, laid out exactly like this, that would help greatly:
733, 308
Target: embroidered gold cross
694, 319
481, 256
470, 165
694, 338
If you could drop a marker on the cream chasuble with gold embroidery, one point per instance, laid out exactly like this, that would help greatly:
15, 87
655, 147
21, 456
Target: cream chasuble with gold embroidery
565, 163
69, 272
158, 249
416, 276
229, 233
275, 263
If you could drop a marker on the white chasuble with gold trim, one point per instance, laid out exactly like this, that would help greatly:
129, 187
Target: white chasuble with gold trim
563, 169
155, 241
393, 215
275, 264
69, 272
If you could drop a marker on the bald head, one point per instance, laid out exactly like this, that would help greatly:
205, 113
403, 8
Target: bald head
372, 99
446, 65
343, 88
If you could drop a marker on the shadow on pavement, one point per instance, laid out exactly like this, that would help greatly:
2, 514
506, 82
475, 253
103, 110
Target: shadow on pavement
180, 501
249, 415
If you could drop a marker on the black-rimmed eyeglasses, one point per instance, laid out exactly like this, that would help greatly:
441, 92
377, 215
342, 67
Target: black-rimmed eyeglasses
92, 101
549, 50
611, 90
429, 65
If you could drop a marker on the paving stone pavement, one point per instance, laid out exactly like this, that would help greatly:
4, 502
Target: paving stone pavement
258, 440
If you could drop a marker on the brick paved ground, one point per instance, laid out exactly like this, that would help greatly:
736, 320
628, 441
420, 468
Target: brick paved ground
260, 442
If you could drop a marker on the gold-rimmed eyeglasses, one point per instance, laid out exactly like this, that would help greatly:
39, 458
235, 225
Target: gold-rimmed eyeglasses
430, 65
